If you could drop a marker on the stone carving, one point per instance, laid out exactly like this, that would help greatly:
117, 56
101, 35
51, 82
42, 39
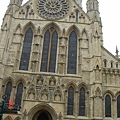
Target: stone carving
44, 92
52, 81
82, 18
58, 94
31, 92
60, 116
22, 13
31, 12
40, 80
98, 92
72, 15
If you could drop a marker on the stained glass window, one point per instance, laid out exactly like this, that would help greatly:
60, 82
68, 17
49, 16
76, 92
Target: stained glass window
82, 102
45, 52
70, 101
19, 94
76, 16
72, 53
118, 106
48, 63
8, 91
107, 106
24, 62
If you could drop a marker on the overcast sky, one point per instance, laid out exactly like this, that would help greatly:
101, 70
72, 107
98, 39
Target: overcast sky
110, 15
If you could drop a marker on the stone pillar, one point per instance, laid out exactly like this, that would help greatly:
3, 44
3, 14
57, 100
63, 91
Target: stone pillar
35, 60
104, 79
108, 77
13, 94
62, 55
98, 94
91, 107
2, 43
79, 58
2, 92
76, 103
19, 50
66, 101
87, 104
98, 107
114, 109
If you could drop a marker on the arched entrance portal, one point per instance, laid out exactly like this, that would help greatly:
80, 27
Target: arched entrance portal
42, 112
42, 115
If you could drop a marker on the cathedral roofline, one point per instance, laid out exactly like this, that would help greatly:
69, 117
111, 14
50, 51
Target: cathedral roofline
110, 54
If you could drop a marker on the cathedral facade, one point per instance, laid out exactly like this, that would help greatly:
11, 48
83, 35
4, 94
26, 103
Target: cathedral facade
53, 63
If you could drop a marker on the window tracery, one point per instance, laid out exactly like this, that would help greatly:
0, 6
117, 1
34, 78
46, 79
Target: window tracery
72, 53
48, 63
53, 9
24, 62
18, 98
82, 102
70, 101
107, 106
8, 91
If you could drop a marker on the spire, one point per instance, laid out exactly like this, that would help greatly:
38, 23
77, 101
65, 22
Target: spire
117, 55
92, 5
79, 2
16, 2
93, 10
13, 6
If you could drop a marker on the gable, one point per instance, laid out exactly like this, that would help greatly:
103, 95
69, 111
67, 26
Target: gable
33, 10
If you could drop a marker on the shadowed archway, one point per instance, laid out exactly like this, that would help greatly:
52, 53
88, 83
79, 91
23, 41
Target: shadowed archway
42, 115
42, 112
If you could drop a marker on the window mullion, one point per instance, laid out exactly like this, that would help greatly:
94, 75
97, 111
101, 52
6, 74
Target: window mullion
51, 33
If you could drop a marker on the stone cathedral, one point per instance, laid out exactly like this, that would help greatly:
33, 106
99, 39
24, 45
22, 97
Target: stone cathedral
53, 63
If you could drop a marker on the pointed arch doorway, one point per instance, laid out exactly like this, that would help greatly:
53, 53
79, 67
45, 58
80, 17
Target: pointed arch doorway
42, 115
42, 112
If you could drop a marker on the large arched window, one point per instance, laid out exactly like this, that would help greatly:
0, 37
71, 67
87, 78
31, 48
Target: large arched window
70, 106
82, 102
72, 53
19, 94
107, 106
118, 106
8, 91
48, 63
25, 57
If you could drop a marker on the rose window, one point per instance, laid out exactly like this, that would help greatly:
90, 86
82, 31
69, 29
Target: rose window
53, 9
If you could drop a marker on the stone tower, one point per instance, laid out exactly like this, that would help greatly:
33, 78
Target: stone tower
53, 63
